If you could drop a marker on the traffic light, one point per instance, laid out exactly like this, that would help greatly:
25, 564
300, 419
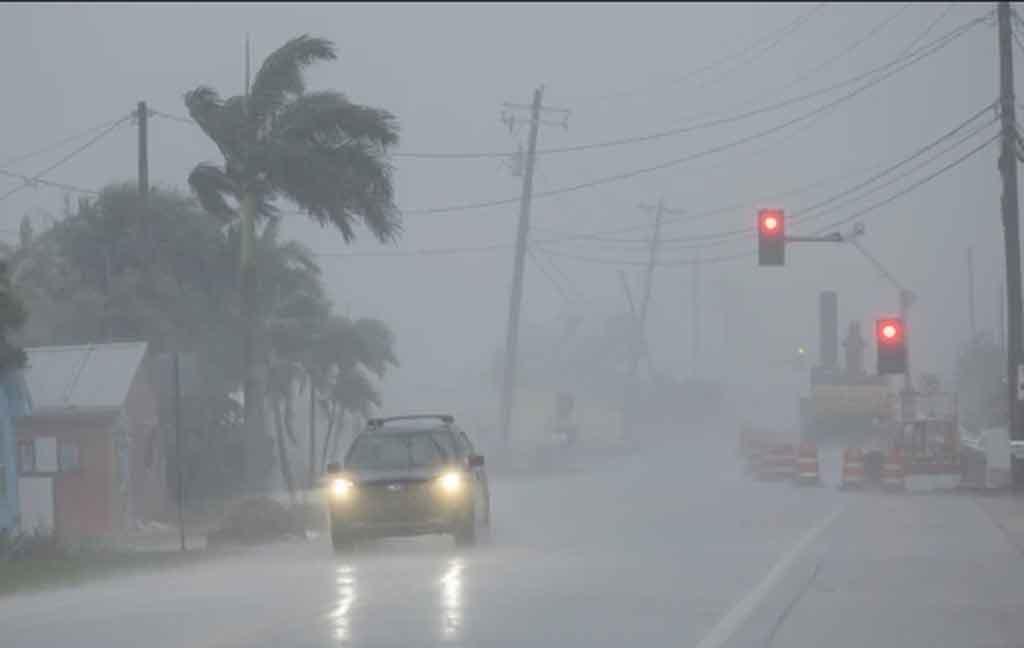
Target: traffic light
891, 340
771, 237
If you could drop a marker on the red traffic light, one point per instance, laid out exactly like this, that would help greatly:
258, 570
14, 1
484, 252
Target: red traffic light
889, 331
770, 222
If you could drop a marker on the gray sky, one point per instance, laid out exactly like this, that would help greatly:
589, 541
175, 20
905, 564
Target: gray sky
444, 71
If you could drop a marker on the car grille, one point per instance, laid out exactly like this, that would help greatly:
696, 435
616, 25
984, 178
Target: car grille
381, 502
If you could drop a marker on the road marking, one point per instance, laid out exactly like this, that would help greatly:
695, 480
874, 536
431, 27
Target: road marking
731, 622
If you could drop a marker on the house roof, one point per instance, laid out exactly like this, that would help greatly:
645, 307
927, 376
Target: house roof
91, 377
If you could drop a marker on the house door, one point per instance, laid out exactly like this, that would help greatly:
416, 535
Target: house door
35, 494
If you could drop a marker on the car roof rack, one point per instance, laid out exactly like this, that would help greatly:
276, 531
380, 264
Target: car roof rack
447, 419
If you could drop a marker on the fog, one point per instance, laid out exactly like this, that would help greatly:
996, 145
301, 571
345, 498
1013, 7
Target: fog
650, 513
444, 71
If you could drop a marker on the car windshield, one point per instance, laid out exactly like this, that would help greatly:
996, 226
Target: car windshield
401, 451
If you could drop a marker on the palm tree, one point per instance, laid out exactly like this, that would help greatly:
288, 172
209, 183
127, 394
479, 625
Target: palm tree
318, 150
347, 355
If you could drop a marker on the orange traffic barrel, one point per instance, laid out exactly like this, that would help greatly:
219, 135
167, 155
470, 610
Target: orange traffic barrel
807, 463
894, 470
853, 468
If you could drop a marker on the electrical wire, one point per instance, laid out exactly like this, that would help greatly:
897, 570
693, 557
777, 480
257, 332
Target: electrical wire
932, 25
56, 145
773, 39
831, 226
804, 215
544, 272
49, 183
958, 161
849, 48
693, 156
923, 52
67, 157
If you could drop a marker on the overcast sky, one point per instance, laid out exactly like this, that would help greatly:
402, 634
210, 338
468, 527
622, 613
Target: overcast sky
624, 70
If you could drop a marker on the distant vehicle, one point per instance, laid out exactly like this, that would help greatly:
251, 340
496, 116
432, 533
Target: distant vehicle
407, 476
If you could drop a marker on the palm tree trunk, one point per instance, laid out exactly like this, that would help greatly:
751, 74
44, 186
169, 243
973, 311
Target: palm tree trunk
312, 434
253, 415
282, 449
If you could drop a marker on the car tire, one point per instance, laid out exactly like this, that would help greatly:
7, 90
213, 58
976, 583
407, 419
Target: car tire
465, 532
340, 540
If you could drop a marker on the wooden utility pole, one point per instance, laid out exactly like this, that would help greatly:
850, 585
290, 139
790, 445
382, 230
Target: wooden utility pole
142, 116
508, 388
1011, 232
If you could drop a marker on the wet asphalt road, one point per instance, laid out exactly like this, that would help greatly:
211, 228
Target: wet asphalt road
672, 547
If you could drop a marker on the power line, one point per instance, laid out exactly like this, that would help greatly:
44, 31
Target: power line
56, 145
717, 149
863, 212
808, 213
932, 25
773, 40
29, 181
958, 161
907, 58
803, 215
543, 271
923, 52
67, 157
850, 48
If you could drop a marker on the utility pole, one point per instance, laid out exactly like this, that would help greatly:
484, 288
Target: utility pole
143, 118
652, 260
516, 298
1001, 322
177, 449
695, 310
1011, 233
970, 293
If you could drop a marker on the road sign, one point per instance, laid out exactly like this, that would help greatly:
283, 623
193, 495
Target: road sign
1020, 382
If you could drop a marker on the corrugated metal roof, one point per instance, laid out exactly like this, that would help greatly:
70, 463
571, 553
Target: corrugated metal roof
95, 376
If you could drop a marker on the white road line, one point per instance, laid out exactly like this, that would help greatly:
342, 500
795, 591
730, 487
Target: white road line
732, 621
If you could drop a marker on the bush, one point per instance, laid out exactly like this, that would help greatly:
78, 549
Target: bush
30, 546
255, 521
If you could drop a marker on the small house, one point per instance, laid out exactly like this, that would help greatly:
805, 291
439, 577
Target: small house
90, 461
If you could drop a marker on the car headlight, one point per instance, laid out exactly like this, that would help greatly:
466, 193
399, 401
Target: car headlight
341, 487
451, 483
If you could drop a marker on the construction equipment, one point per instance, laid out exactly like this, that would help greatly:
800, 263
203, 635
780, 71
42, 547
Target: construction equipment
844, 403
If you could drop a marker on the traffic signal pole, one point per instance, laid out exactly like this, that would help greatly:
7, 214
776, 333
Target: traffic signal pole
1011, 232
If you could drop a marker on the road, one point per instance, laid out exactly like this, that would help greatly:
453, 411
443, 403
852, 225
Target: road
673, 547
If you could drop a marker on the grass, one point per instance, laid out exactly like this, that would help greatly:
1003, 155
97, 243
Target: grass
32, 574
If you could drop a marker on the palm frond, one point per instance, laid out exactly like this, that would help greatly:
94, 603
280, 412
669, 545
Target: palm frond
221, 121
212, 187
330, 119
281, 75
336, 186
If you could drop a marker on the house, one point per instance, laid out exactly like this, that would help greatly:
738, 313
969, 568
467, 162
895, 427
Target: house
13, 403
90, 461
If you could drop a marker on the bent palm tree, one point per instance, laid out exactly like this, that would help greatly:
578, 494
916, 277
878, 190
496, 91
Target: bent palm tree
318, 150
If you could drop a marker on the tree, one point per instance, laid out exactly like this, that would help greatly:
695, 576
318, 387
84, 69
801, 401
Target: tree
318, 150
348, 355
12, 317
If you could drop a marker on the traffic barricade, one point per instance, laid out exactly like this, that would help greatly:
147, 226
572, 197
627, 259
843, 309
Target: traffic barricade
894, 471
853, 468
807, 464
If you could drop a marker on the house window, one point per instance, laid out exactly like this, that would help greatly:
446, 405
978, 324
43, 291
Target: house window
26, 457
67, 456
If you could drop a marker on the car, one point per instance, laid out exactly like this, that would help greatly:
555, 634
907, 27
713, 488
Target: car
408, 476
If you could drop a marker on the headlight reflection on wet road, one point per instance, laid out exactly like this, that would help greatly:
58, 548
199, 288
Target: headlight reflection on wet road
451, 599
345, 583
